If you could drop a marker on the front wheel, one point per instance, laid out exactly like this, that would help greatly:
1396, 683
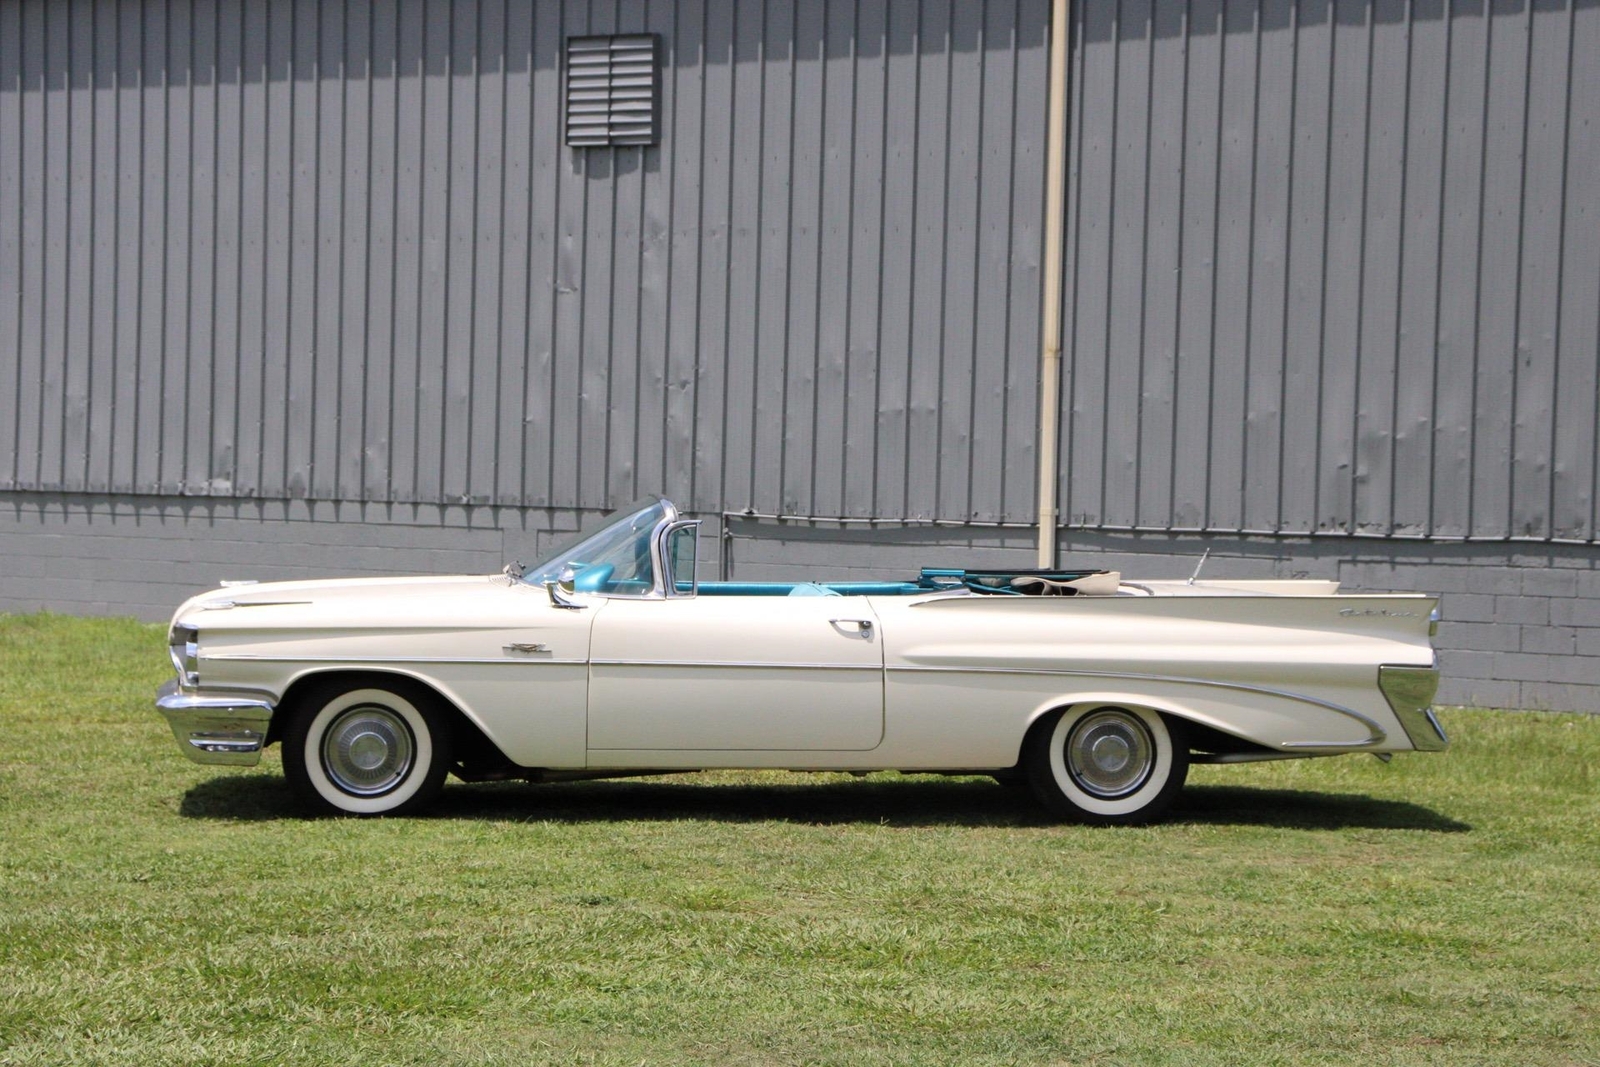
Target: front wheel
367, 749
1107, 765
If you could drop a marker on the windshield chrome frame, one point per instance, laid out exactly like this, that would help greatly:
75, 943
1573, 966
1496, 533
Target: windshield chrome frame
657, 537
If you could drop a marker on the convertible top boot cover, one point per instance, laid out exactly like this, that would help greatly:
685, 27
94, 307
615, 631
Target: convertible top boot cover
1103, 584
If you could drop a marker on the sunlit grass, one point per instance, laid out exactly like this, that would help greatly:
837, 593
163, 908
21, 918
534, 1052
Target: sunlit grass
1441, 909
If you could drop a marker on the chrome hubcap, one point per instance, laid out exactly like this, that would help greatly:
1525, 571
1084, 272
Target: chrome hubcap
1110, 753
367, 750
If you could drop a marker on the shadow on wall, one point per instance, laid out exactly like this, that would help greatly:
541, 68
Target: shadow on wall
1133, 20
282, 41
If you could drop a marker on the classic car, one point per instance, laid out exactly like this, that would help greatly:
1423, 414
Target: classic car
612, 659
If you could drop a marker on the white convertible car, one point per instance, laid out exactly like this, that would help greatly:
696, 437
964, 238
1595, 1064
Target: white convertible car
611, 659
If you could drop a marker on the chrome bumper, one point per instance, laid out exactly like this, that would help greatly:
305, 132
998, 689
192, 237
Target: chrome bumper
228, 728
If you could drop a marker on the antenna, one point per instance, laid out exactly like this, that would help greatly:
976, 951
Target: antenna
1197, 566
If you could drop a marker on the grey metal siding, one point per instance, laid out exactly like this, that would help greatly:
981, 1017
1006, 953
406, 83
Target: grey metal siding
338, 251
1333, 268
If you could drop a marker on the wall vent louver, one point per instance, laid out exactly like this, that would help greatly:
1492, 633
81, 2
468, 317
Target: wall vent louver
611, 90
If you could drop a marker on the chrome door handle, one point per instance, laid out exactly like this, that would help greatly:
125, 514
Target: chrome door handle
863, 626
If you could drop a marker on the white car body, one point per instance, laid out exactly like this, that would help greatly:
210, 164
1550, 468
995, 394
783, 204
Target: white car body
945, 673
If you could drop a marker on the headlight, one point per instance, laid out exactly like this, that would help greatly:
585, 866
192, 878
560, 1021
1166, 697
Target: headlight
183, 645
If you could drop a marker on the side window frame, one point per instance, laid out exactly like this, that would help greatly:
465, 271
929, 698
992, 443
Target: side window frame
669, 575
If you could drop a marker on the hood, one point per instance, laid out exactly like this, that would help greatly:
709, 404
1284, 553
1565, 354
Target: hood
332, 596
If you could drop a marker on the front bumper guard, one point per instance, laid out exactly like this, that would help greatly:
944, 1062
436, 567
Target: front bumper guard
225, 728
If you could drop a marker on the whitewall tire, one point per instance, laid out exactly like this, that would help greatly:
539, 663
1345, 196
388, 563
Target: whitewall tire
1107, 764
367, 749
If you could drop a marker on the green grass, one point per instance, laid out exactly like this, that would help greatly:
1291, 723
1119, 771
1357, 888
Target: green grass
1442, 909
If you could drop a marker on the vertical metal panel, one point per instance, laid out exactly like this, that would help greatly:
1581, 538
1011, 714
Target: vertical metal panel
682, 151
347, 193
1261, 503
12, 169
251, 400
1029, 37
868, 215
720, 425
546, 240
929, 249
829, 308
57, 236
337, 165
1092, 187
194, 455
1196, 312
764, 333
1129, 236
799, 454
33, 225
378, 321
1158, 337
1422, 225
1539, 279
1461, 199
174, 353
891, 494
1382, 247
1303, 313
1386, 268
1233, 281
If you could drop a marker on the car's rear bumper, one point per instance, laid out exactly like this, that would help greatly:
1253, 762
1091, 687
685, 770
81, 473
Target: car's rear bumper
227, 728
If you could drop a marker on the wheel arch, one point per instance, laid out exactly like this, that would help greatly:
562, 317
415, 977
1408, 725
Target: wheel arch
1176, 711
471, 739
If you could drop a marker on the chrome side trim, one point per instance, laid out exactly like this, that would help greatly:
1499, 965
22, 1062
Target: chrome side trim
735, 664
225, 728
1249, 757
356, 661
1377, 731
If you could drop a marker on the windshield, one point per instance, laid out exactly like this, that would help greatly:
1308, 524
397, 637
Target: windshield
614, 559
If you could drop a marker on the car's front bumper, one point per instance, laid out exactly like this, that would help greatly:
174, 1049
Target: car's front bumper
217, 727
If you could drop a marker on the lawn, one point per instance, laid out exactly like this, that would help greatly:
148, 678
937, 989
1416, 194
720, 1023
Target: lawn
1441, 909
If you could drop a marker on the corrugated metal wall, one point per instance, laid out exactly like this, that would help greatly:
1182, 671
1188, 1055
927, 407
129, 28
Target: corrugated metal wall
338, 250
1334, 267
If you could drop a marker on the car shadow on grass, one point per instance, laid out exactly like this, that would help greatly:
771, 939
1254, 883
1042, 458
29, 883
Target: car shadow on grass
908, 802
1299, 809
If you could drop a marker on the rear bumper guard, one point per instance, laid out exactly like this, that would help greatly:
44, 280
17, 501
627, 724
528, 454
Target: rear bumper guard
1409, 691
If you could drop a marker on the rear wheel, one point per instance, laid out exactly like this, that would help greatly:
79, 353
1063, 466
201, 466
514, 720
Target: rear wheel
1107, 764
367, 749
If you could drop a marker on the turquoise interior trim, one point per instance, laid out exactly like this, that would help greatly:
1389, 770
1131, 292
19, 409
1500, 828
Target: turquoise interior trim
932, 579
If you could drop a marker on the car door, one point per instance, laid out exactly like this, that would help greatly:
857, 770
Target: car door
733, 674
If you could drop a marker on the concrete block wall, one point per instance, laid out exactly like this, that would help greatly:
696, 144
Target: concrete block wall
1521, 621
143, 556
